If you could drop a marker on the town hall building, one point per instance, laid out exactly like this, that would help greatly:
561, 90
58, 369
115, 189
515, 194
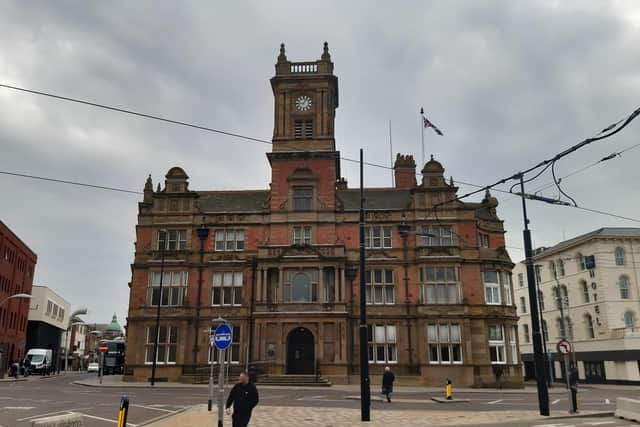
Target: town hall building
280, 264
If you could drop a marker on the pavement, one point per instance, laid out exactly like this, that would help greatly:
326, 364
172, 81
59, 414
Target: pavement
80, 393
286, 416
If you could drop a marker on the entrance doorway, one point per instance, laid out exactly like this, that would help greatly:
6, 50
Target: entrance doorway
300, 352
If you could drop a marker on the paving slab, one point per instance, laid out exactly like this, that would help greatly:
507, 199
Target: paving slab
279, 416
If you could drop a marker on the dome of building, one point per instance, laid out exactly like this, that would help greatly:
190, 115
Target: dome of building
114, 326
433, 166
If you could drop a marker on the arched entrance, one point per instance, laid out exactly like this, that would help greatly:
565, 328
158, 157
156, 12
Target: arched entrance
300, 352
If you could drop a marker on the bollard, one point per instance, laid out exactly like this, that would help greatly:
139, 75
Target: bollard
448, 390
124, 409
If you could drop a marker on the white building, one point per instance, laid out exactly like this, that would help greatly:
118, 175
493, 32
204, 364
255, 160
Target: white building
48, 319
596, 277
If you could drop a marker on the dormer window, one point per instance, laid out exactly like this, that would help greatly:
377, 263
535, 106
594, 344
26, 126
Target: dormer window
303, 199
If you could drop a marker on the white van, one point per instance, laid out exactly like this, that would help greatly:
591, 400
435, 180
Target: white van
40, 360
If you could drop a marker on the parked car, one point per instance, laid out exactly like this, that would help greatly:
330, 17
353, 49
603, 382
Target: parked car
93, 367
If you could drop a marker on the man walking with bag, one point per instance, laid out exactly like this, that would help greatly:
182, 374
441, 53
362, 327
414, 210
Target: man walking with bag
387, 383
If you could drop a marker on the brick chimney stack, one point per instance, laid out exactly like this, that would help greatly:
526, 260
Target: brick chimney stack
405, 172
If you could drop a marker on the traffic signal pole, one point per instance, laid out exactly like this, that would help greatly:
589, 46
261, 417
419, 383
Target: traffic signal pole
538, 357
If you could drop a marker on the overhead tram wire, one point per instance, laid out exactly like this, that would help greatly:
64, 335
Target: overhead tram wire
545, 163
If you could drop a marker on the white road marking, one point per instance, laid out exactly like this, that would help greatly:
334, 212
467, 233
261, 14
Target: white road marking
102, 419
151, 407
52, 413
493, 402
599, 423
18, 408
555, 401
554, 425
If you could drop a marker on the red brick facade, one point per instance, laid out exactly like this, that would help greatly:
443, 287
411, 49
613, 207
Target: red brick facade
277, 264
17, 265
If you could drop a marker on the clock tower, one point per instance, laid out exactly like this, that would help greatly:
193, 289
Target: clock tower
304, 152
306, 98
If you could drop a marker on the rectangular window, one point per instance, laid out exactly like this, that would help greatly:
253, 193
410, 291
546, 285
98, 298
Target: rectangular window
525, 333
167, 342
439, 285
174, 288
49, 308
229, 240
521, 280
303, 199
61, 314
506, 287
380, 288
227, 288
172, 240
491, 287
523, 305
513, 343
382, 344
496, 344
55, 311
444, 343
484, 240
301, 285
302, 235
436, 236
377, 237
232, 353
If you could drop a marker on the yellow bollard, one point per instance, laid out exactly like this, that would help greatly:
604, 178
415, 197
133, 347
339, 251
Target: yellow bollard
124, 409
448, 390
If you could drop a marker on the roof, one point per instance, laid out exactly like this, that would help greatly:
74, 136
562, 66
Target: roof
114, 326
375, 199
232, 201
615, 232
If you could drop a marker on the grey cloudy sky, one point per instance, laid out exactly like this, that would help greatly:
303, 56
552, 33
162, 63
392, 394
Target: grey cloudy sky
509, 82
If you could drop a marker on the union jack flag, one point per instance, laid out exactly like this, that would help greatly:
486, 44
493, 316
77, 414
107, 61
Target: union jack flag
428, 124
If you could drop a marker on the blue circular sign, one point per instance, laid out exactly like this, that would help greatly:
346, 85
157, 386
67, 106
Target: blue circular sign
222, 337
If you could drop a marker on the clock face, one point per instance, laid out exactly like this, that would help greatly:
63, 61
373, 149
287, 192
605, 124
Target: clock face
303, 103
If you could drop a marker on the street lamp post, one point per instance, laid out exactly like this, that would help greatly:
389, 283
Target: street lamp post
203, 233
351, 272
365, 390
404, 229
155, 342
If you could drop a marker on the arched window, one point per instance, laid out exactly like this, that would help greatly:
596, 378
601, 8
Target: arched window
561, 267
581, 262
552, 267
623, 285
588, 323
629, 320
541, 300
565, 295
556, 297
560, 326
585, 291
619, 254
545, 331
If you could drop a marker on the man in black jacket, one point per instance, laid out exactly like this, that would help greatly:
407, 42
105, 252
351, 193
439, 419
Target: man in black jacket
243, 397
387, 383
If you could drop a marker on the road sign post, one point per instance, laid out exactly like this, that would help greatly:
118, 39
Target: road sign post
564, 348
222, 338
103, 350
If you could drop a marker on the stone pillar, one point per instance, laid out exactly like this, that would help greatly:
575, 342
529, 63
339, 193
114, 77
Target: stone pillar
280, 285
343, 286
336, 285
258, 296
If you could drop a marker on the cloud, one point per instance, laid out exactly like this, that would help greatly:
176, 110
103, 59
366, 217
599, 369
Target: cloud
509, 83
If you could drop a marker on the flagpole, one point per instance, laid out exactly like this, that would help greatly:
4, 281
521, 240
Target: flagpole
391, 156
422, 134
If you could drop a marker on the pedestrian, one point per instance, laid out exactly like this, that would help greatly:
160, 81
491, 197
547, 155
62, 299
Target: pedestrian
244, 397
27, 366
387, 383
573, 386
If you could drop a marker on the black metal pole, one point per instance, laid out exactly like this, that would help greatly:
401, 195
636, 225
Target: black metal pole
404, 233
547, 363
365, 391
543, 392
155, 342
203, 232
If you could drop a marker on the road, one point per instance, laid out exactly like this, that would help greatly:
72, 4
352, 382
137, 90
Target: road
22, 401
